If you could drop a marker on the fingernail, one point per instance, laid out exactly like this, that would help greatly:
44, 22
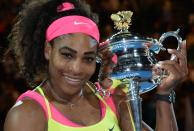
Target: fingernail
170, 50
184, 41
158, 64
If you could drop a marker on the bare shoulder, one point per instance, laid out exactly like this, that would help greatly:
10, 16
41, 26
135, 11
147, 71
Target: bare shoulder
26, 115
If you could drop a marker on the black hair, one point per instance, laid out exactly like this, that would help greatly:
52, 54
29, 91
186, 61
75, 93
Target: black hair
27, 37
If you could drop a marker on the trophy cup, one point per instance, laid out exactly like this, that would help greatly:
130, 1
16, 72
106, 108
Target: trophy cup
134, 61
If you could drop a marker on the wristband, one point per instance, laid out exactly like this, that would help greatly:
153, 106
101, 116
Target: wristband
170, 98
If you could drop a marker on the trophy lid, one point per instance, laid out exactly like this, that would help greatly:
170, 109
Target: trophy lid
124, 38
126, 55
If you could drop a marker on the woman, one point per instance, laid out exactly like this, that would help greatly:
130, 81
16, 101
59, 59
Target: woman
58, 40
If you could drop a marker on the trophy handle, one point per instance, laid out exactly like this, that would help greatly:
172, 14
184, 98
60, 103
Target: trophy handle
168, 34
155, 49
158, 45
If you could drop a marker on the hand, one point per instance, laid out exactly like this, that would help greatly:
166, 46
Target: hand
176, 69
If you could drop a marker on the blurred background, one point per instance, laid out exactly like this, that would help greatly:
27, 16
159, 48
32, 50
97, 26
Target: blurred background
151, 18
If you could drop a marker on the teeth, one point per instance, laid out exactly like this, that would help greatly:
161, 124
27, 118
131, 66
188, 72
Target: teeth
72, 79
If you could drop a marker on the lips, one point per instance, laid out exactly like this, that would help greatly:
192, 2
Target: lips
72, 80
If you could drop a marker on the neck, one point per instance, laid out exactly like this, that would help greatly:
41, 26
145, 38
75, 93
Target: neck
61, 97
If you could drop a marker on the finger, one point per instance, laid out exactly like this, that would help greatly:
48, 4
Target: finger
183, 48
147, 44
184, 51
181, 68
170, 66
180, 57
173, 69
177, 53
167, 62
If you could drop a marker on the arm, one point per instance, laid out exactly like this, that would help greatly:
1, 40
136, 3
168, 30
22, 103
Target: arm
28, 116
177, 72
165, 117
188, 114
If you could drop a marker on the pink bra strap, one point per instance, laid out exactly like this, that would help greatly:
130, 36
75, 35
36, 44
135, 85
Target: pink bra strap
111, 104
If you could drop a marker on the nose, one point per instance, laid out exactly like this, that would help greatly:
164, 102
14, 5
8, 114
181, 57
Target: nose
76, 67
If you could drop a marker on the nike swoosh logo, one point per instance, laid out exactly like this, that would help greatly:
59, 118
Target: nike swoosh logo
111, 129
79, 23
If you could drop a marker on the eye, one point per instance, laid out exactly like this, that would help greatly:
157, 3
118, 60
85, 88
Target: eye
67, 55
89, 59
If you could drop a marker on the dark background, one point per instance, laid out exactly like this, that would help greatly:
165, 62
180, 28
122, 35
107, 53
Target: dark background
151, 18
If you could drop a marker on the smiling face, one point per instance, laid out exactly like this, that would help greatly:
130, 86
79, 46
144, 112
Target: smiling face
72, 61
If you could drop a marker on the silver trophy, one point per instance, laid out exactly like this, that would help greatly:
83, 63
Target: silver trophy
134, 66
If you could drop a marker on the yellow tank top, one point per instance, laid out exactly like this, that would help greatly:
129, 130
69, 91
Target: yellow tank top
117, 82
108, 123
